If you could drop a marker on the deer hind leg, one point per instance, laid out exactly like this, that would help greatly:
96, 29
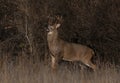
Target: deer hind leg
83, 67
88, 62
91, 65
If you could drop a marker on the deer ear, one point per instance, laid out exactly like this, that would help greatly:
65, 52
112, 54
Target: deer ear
58, 25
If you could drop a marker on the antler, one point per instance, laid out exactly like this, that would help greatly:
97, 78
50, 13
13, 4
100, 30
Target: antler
54, 20
59, 19
49, 20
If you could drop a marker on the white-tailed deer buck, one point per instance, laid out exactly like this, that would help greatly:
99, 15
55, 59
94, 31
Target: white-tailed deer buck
63, 50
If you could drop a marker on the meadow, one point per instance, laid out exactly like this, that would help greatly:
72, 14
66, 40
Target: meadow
27, 70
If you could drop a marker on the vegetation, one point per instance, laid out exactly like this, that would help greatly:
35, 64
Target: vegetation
23, 47
25, 71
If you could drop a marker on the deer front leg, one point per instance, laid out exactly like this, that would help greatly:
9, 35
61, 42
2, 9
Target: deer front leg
54, 63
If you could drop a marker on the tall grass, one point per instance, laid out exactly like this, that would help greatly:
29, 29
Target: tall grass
24, 70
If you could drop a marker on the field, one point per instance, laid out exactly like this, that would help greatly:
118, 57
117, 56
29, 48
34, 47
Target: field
24, 70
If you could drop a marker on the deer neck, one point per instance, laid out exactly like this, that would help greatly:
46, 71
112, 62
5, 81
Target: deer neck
53, 38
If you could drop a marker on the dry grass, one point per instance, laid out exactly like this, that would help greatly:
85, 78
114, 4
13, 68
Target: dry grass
25, 70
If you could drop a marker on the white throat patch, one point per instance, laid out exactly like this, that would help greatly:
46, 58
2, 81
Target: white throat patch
50, 33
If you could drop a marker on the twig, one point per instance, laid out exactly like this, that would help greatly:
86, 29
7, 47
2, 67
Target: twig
26, 34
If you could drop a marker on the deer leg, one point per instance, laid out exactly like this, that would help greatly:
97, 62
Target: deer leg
91, 65
54, 63
82, 66
87, 62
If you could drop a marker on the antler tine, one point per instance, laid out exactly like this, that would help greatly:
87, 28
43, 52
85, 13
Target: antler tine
49, 20
59, 18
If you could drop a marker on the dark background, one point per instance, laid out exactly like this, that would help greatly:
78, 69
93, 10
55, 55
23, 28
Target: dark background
95, 23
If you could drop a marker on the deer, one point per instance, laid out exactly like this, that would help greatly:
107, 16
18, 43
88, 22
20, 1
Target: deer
67, 51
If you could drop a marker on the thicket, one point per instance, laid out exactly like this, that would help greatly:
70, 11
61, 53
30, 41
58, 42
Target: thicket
95, 23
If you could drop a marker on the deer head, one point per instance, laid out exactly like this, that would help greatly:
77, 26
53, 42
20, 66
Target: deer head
54, 22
